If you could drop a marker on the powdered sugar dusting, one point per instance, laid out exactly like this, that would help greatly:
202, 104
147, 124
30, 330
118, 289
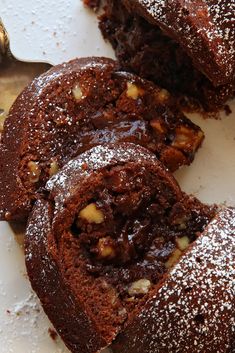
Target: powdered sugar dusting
100, 157
210, 22
92, 161
196, 304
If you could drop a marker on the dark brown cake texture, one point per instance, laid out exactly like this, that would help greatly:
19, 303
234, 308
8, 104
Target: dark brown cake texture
75, 106
188, 47
193, 310
99, 249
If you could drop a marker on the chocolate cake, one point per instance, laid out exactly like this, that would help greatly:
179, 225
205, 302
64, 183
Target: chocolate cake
102, 244
193, 309
187, 47
78, 105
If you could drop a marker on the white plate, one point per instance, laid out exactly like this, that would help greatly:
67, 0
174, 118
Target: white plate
23, 325
52, 31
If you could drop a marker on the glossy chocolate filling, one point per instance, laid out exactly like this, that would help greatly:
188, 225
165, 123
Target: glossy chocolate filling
132, 231
115, 107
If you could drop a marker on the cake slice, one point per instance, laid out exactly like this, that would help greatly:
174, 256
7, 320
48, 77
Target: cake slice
104, 241
187, 47
193, 309
78, 105
204, 28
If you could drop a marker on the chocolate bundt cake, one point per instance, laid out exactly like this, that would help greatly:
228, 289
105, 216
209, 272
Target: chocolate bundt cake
102, 244
187, 47
78, 105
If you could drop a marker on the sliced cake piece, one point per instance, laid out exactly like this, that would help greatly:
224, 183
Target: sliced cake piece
193, 308
113, 225
204, 28
187, 47
78, 105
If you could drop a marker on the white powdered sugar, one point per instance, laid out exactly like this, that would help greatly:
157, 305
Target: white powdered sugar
194, 310
92, 161
99, 157
211, 27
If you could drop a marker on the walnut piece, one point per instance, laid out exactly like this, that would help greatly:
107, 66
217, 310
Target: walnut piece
77, 92
173, 258
91, 214
139, 287
54, 168
2, 119
133, 91
183, 242
181, 221
34, 171
105, 248
187, 138
162, 96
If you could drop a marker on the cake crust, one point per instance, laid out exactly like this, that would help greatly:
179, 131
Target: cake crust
44, 260
78, 105
100, 232
193, 309
205, 29
56, 297
144, 47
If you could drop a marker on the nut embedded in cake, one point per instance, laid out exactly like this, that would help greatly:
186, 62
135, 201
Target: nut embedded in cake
78, 105
99, 247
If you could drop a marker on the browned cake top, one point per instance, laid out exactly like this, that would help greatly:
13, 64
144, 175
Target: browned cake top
205, 28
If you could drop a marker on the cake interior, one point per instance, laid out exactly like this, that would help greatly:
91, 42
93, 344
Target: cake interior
129, 230
96, 108
143, 48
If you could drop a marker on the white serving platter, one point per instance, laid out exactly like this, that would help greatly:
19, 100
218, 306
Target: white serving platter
55, 31
52, 31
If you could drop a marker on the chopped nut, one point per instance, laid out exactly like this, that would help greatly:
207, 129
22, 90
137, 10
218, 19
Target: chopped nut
114, 300
182, 226
173, 158
181, 222
2, 119
130, 299
173, 258
162, 96
109, 291
187, 138
156, 124
141, 286
105, 248
77, 92
183, 137
53, 168
133, 91
122, 312
34, 171
91, 214
183, 242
